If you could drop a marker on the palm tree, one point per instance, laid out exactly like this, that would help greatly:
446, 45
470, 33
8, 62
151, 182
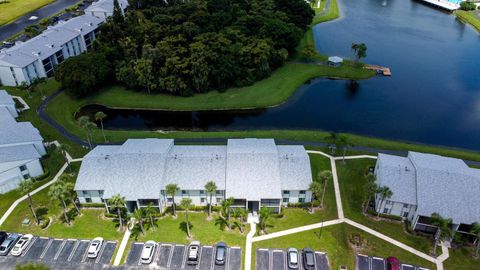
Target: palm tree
265, 214
242, 214
85, 123
385, 193
211, 189
172, 190
137, 217
360, 50
70, 192
344, 143
118, 202
25, 186
444, 229
325, 177
476, 231
331, 140
316, 189
62, 148
150, 210
186, 203
371, 189
99, 116
58, 192
226, 204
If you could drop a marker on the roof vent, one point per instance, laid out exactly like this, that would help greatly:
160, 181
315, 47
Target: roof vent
80, 29
36, 53
50, 45
407, 169
107, 156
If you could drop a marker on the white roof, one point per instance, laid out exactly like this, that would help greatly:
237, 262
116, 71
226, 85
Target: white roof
335, 59
245, 168
105, 6
16, 132
18, 153
440, 185
5, 98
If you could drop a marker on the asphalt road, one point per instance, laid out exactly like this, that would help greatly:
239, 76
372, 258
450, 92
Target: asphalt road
276, 259
376, 263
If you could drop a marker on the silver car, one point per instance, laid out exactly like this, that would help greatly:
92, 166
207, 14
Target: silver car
292, 258
8, 244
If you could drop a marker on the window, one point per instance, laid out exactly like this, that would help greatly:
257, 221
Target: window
100, 193
23, 168
202, 192
405, 214
385, 210
26, 176
303, 191
286, 192
84, 192
88, 200
59, 56
301, 200
405, 205
219, 200
184, 192
285, 200
202, 200
170, 200
219, 192
389, 202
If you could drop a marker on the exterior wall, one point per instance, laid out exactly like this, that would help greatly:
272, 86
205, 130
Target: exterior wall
12, 76
10, 179
295, 196
90, 196
198, 198
406, 211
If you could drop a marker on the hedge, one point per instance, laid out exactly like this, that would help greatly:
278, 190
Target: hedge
392, 217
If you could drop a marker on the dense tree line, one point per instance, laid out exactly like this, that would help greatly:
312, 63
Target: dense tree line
187, 47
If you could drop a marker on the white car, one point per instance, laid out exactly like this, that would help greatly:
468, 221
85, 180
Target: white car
21, 245
147, 252
95, 247
193, 253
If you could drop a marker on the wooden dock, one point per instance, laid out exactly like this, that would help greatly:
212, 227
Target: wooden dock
385, 71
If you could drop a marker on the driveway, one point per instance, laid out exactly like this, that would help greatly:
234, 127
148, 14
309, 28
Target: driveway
375, 263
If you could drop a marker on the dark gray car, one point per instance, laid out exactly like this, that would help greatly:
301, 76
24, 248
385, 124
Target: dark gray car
308, 259
8, 244
220, 253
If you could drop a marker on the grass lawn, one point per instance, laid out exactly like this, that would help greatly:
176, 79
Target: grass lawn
335, 241
12, 9
33, 100
332, 13
462, 259
89, 225
352, 180
470, 17
51, 164
207, 232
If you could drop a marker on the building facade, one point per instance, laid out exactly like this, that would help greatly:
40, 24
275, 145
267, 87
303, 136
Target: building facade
423, 184
255, 172
21, 148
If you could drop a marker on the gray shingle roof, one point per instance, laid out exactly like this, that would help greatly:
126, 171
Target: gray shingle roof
398, 174
105, 6
5, 98
18, 153
140, 169
16, 132
443, 185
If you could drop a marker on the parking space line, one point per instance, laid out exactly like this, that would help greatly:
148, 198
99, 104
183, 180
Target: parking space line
29, 246
59, 250
158, 246
184, 257
43, 237
170, 256
199, 258
86, 251
73, 250
213, 258
227, 260
100, 254
270, 260
46, 248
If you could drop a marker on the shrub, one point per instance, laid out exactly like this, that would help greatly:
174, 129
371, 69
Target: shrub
93, 205
303, 205
44, 223
466, 5
392, 217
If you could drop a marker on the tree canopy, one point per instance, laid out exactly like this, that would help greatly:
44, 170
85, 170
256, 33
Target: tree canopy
188, 47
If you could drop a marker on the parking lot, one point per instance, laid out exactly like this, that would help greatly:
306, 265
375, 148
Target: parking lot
174, 256
375, 263
276, 259
61, 254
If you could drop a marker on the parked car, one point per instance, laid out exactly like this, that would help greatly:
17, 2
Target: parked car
147, 252
393, 263
220, 253
21, 245
8, 244
292, 258
308, 259
3, 236
95, 247
193, 253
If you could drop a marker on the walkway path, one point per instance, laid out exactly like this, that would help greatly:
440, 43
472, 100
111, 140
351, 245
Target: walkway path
341, 219
248, 245
121, 249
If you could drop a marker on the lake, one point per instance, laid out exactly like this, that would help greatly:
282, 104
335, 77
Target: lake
433, 96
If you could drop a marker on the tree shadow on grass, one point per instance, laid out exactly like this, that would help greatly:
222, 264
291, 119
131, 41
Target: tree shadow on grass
41, 212
71, 214
183, 226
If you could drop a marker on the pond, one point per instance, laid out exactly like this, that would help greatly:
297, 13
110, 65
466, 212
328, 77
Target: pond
433, 96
